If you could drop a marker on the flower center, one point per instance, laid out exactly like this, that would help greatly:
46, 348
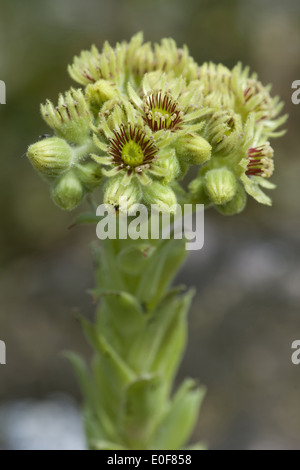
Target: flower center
161, 111
261, 161
131, 148
132, 154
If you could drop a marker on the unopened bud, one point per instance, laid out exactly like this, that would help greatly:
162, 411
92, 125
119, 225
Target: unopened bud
122, 198
194, 149
220, 185
161, 195
51, 156
67, 192
101, 91
236, 205
197, 191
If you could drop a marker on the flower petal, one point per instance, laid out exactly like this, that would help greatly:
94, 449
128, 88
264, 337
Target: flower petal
254, 190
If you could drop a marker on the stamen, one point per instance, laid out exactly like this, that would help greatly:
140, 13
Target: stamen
261, 161
130, 148
161, 111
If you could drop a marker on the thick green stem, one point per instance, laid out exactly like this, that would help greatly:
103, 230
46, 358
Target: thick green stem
138, 337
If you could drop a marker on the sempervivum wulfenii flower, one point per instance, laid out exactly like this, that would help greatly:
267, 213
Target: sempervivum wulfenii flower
128, 146
145, 114
169, 104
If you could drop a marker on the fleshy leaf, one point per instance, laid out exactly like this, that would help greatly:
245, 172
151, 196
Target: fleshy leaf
176, 427
143, 406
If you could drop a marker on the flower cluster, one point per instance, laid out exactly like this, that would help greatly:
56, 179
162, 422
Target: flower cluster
144, 115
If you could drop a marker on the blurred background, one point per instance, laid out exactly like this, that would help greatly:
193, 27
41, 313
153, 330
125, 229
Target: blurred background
246, 313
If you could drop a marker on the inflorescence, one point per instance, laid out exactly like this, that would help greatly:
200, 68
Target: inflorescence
144, 115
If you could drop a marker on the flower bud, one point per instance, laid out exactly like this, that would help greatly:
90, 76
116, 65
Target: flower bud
67, 192
220, 185
90, 175
51, 157
194, 149
161, 195
236, 205
197, 191
122, 198
101, 91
